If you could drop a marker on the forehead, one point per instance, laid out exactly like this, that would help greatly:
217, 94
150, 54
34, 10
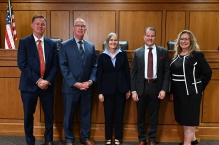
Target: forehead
113, 37
39, 20
150, 32
185, 35
80, 22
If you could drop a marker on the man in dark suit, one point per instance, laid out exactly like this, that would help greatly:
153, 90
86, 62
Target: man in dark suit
78, 64
37, 77
149, 85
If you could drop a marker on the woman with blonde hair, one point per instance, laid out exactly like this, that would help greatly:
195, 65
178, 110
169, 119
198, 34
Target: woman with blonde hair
190, 74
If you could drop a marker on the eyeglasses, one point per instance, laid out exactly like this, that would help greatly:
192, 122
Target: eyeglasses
80, 26
150, 36
185, 39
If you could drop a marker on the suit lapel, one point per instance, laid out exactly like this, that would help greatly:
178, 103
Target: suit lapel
46, 50
119, 61
142, 55
86, 52
33, 45
158, 56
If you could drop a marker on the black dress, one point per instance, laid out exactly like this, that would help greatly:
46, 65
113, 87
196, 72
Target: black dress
190, 75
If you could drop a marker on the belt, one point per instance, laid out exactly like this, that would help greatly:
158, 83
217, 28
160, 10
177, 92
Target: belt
150, 80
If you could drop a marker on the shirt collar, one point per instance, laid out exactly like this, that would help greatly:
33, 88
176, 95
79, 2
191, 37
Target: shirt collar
76, 39
153, 46
106, 51
35, 38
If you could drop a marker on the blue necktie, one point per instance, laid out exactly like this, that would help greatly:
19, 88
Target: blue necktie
81, 49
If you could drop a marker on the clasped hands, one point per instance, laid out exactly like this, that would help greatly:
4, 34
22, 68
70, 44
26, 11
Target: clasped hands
43, 84
83, 85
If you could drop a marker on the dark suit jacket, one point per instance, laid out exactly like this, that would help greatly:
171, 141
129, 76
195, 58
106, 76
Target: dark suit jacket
138, 70
112, 79
29, 63
197, 74
73, 68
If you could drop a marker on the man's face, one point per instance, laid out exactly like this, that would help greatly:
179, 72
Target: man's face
149, 38
38, 26
79, 29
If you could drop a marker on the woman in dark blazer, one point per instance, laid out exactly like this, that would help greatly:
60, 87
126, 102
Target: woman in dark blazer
190, 74
113, 78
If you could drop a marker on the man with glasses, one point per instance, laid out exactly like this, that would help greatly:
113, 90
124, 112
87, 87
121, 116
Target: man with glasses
78, 64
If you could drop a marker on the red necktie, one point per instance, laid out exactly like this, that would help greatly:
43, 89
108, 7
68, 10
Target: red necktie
42, 63
150, 64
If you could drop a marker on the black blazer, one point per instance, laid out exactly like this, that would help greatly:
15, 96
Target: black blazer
138, 70
195, 77
111, 79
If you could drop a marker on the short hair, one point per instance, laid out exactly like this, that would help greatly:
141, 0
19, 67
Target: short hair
79, 19
38, 16
150, 28
193, 43
108, 39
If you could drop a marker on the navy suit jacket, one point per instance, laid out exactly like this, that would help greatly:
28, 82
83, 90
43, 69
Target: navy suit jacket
138, 70
73, 68
29, 63
113, 79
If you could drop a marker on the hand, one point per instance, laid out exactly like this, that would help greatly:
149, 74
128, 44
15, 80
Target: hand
135, 96
127, 94
43, 84
171, 97
87, 83
81, 86
101, 97
162, 94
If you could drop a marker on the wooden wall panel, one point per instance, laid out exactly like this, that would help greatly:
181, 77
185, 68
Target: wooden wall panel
99, 25
205, 27
10, 100
60, 25
175, 23
210, 113
132, 25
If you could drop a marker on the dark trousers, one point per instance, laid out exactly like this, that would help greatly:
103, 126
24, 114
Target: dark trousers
149, 100
29, 100
114, 112
71, 102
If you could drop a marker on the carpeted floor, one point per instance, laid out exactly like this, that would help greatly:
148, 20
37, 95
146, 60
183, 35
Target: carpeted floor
15, 140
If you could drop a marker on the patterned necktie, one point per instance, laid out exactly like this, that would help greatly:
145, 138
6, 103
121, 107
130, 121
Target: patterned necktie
150, 64
42, 63
81, 50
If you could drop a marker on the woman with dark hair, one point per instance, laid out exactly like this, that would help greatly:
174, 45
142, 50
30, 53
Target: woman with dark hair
190, 74
113, 78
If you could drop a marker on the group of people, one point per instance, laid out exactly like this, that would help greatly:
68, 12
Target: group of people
153, 75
